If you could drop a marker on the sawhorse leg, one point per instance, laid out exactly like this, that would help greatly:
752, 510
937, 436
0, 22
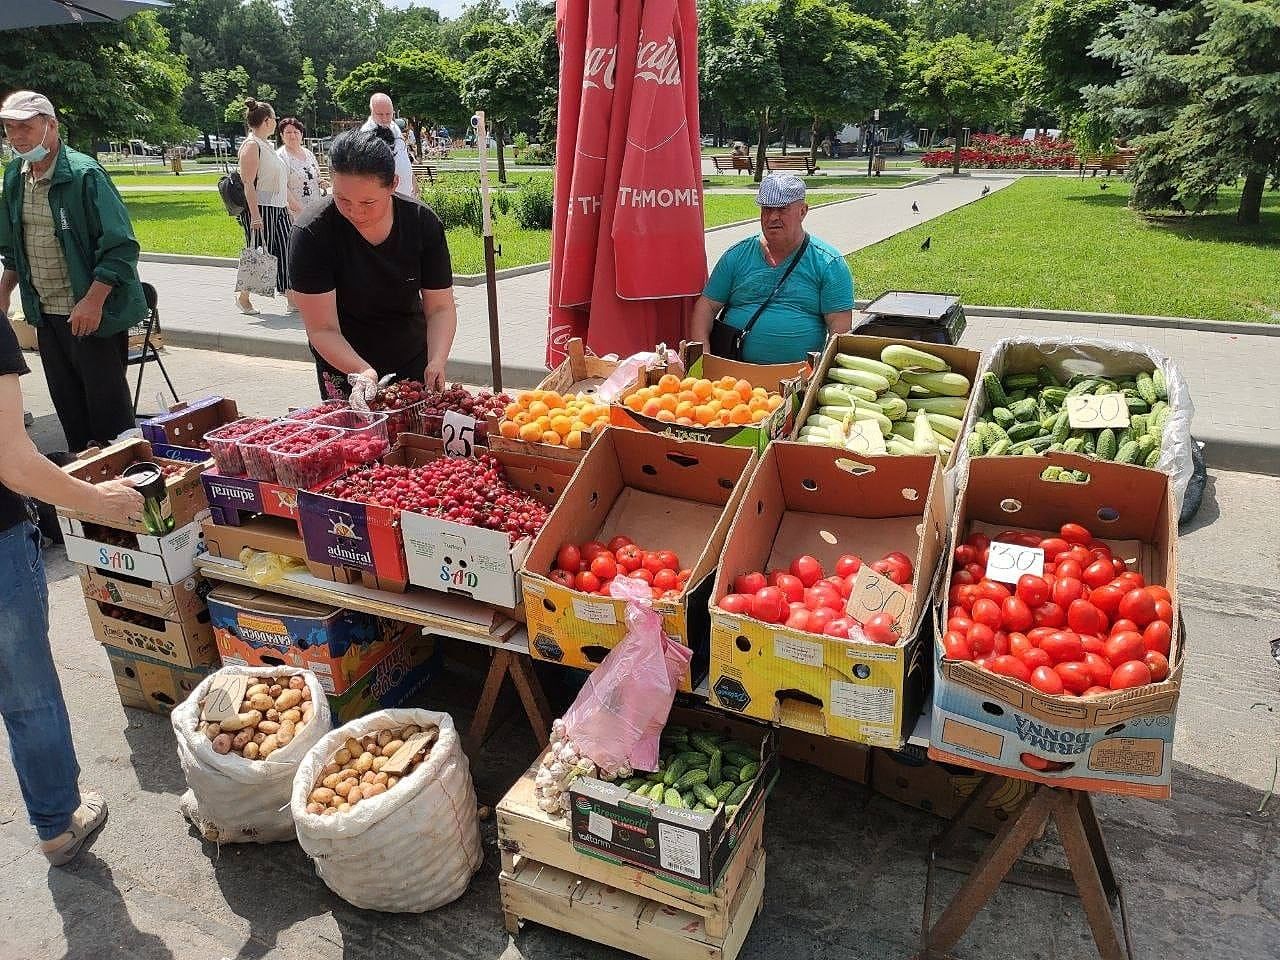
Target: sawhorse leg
527, 686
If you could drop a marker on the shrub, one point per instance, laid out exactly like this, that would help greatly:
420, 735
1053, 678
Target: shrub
455, 208
533, 205
520, 143
993, 152
540, 153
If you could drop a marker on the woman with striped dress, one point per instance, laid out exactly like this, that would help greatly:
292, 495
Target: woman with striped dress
266, 219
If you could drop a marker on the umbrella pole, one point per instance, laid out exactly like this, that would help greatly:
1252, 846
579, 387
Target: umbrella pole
490, 266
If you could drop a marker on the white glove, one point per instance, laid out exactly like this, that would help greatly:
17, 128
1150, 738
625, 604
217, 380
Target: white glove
362, 391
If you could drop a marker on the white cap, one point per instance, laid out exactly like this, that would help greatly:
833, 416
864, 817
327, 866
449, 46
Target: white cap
25, 104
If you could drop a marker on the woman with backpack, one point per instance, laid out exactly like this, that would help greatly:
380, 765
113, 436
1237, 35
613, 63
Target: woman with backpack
265, 218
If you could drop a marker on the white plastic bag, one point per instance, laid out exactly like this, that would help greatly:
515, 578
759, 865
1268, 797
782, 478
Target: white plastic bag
627, 370
234, 800
256, 272
409, 850
1113, 358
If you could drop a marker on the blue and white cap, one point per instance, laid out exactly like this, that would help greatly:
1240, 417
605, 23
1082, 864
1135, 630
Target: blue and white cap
779, 190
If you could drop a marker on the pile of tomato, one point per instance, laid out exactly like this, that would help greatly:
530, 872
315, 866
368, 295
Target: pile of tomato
590, 567
1088, 626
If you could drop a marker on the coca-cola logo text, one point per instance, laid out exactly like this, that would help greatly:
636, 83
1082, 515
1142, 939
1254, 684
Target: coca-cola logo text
600, 64
659, 62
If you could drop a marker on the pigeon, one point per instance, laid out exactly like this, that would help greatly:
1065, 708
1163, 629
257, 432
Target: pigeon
1102, 186
915, 208
926, 244
985, 190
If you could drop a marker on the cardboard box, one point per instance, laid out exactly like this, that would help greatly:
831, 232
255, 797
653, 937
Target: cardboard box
847, 760
232, 500
396, 680
1120, 742
178, 601
178, 643
265, 534
169, 559
786, 379
482, 564
822, 501
910, 778
150, 685
185, 494
666, 494
185, 424
689, 848
257, 628
961, 361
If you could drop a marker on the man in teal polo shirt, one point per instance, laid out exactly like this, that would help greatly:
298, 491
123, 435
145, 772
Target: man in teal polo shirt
816, 299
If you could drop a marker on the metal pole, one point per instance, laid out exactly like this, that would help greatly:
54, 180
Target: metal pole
490, 266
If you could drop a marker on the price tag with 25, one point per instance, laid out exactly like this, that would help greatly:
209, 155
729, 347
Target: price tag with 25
1092, 412
1007, 562
459, 434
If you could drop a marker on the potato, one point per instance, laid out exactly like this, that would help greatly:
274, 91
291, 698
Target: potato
322, 795
330, 811
370, 744
331, 780
354, 795
392, 781
344, 788
274, 690
315, 808
285, 733
306, 694
222, 743
249, 751
390, 747
256, 688
307, 712
261, 702
242, 720
289, 698
342, 757
381, 778
240, 739
292, 715
268, 746
329, 768
373, 790
367, 776
379, 762
385, 737
297, 682
365, 762
353, 749
211, 730
268, 726
258, 737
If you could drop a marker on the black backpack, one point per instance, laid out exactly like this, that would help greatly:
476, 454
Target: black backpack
231, 189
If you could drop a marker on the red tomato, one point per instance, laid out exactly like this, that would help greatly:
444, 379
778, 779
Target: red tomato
848, 564
591, 549
822, 594
961, 576
569, 557
1135, 673
1099, 669
587, 582
1158, 664
1019, 644
1010, 666
1119, 565
1137, 605
895, 568
1015, 614
1075, 676
994, 591
563, 577
653, 562
987, 611
604, 566
735, 603
1107, 599
1160, 593
1049, 615
1084, 617
1158, 637
1000, 643
1123, 647
798, 619
843, 585
979, 541
818, 619
982, 639
1164, 611
790, 586
838, 627
1046, 680
669, 560
1068, 569
748, 583
1094, 644
881, 629
1074, 533
666, 580
642, 574
1063, 646
1035, 657
1033, 590
807, 569
1052, 546
976, 570
956, 646
1127, 581
959, 624
967, 594
618, 542
1098, 573
684, 575
1125, 626
769, 604
965, 555
630, 558
1067, 589
1037, 634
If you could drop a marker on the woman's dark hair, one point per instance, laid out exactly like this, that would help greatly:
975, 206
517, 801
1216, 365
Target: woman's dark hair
291, 122
363, 154
257, 111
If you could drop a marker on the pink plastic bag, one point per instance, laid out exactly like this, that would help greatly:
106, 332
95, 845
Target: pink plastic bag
619, 714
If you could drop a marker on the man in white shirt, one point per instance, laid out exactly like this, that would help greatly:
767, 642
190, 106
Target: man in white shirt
382, 113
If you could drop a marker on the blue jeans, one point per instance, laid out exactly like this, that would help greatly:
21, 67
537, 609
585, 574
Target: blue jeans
30, 694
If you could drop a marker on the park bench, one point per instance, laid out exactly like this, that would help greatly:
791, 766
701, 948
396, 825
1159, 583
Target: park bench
421, 171
791, 162
1118, 162
742, 164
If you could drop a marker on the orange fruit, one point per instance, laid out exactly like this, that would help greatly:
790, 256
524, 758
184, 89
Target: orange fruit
669, 383
509, 429
703, 415
758, 416
551, 437
743, 387
666, 416
702, 388
651, 407
684, 409
512, 410
726, 383
530, 433
775, 402
668, 402
562, 425
574, 440
521, 418
684, 421
633, 402
687, 396
740, 414
539, 409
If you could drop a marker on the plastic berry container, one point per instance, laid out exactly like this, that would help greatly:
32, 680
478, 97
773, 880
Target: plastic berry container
403, 415
363, 435
255, 448
308, 458
319, 410
224, 444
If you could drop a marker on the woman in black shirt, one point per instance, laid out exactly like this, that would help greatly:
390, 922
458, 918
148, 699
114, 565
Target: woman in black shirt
372, 277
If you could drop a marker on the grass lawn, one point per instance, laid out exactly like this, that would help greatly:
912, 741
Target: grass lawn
838, 180
1062, 243
196, 223
163, 181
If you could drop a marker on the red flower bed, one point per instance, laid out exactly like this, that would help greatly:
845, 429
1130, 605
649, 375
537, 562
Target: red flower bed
995, 152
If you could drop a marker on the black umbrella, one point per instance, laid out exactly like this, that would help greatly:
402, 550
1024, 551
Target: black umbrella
16, 14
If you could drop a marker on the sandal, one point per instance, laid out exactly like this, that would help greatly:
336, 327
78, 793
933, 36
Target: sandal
245, 306
89, 816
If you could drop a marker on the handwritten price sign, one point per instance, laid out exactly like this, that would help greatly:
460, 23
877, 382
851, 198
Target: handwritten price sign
459, 434
1096, 413
1007, 562
222, 702
873, 594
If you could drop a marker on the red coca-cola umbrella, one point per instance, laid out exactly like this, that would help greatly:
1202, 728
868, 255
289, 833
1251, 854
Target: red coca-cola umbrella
628, 251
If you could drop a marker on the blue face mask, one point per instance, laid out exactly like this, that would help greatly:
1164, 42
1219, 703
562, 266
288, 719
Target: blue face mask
36, 153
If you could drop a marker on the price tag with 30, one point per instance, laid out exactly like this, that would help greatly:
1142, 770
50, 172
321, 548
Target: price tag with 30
1007, 562
872, 594
1096, 413
459, 434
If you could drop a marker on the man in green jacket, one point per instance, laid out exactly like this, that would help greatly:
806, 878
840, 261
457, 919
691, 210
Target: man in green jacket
66, 241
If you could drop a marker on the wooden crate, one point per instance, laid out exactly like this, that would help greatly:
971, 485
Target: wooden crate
618, 918
526, 834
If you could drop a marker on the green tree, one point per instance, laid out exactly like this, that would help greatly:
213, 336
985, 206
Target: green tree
996, 20
425, 87
344, 33
110, 81
331, 86
308, 90
1056, 62
352, 93
506, 79
955, 81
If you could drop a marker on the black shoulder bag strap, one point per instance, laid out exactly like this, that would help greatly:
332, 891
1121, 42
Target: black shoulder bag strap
731, 340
